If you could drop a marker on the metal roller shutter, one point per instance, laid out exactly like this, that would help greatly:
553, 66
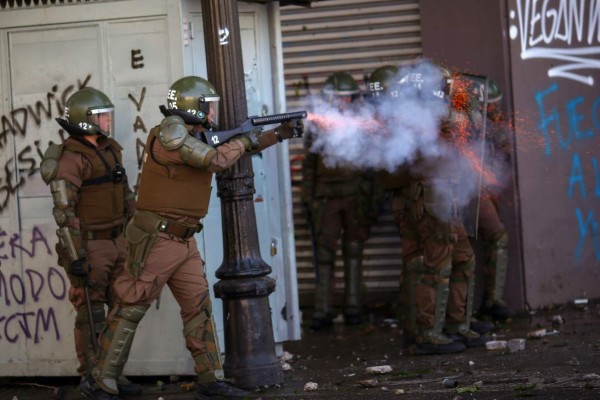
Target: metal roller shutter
42, 3
356, 36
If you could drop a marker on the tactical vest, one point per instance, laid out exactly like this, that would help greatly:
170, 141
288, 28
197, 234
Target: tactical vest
101, 202
173, 189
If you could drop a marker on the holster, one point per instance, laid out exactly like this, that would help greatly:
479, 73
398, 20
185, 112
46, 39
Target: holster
140, 239
141, 232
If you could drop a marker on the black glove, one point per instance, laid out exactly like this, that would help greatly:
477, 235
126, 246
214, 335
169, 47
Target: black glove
290, 129
79, 268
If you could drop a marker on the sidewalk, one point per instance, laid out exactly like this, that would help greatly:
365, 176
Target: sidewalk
564, 364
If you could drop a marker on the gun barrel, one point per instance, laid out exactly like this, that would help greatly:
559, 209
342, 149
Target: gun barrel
277, 118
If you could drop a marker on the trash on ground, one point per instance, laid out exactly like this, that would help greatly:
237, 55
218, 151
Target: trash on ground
516, 345
496, 345
450, 383
381, 369
580, 302
310, 386
369, 383
286, 356
537, 334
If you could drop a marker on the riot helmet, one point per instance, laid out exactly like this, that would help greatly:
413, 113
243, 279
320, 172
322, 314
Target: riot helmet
195, 100
381, 80
340, 86
424, 80
91, 111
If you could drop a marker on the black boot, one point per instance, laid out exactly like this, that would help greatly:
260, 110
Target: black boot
126, 387
219, 389
319, 322
430, 348
482, 327
470, 339
496, 311
91, 391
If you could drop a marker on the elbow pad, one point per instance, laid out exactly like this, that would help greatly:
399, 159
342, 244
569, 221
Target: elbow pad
65, 196
174, 135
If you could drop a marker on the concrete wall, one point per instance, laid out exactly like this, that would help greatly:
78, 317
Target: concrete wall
550, 203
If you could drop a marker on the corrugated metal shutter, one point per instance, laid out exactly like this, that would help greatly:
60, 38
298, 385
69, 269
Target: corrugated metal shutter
14, 4
356, 36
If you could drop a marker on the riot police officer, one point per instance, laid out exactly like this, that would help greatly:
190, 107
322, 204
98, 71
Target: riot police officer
438, 278
491, 231
340, 203
174, 193
92, 201
382, 82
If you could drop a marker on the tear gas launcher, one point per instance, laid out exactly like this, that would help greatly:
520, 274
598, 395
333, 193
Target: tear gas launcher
252, 124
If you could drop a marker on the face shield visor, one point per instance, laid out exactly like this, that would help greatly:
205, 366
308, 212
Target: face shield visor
103, 120
210, 109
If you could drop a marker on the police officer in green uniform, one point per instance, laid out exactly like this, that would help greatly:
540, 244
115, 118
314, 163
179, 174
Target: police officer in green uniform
341, 203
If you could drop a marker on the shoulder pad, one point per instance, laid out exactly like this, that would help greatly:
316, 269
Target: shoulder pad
172, 133
75, 146
49, 165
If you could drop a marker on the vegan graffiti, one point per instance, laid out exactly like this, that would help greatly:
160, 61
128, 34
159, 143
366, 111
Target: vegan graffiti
567, 31
24, 296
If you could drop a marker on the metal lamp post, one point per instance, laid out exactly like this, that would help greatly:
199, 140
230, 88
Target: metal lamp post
244, 286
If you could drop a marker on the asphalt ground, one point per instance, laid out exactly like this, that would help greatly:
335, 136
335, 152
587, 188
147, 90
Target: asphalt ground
563, 364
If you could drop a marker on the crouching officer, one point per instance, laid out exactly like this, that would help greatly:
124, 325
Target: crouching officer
173, 197
92, 201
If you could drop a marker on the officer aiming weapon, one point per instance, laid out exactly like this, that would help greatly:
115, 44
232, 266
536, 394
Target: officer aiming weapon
252, 124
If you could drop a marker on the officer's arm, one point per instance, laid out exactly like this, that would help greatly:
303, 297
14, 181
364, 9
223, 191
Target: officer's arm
177, 146
65, 195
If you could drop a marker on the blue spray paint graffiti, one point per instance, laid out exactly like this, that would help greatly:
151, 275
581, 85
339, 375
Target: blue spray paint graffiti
580, 126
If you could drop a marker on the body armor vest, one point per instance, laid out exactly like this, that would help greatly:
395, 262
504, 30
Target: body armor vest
173, 189
101, 202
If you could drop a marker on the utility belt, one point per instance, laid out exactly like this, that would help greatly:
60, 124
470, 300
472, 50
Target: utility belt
149, 221
103, 234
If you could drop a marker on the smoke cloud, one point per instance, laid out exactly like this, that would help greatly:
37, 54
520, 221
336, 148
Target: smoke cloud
401, 130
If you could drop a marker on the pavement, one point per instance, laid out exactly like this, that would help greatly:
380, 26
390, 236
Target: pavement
560, 360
